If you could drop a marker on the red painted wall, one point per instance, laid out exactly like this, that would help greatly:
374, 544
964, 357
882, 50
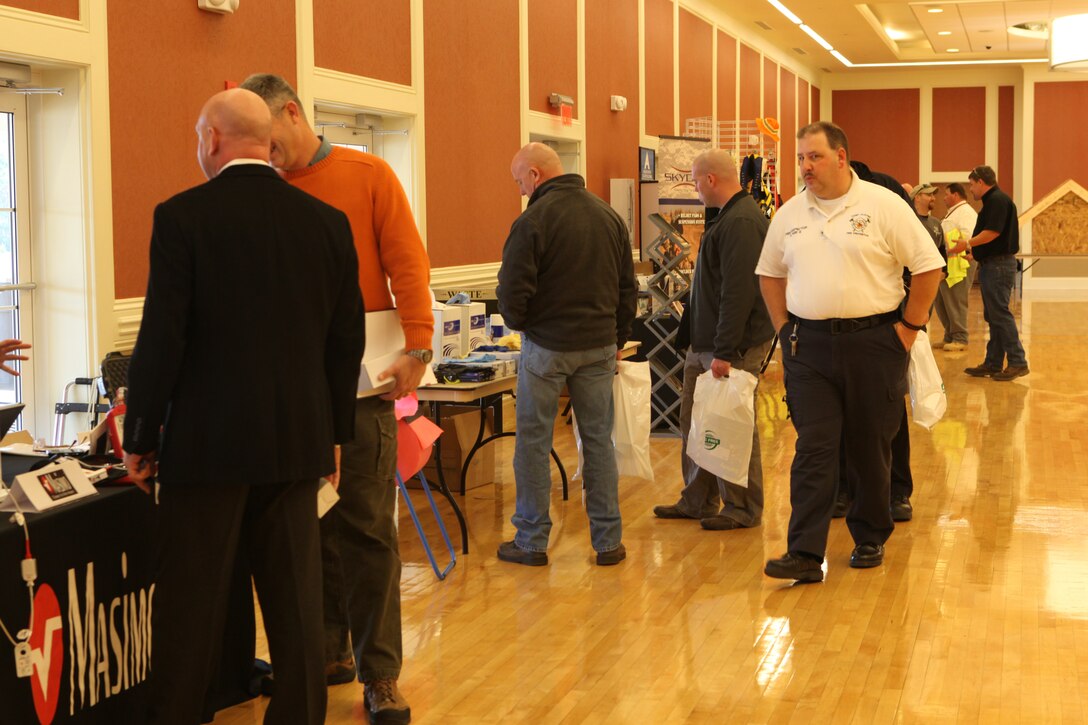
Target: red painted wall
1006, 159
1060, 144
612, 138
339, 26
727, 77
60, 8
471, 197
750, 89
659, 92
802, 103
882, 128
814, 112
696, 68
154, 106
553, 53
959, 128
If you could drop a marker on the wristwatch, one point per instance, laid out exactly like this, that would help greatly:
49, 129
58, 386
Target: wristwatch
424, 356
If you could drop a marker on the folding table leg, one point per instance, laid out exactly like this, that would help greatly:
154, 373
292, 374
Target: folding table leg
440, 573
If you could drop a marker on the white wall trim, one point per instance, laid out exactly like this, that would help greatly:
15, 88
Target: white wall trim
467, 276
127, 312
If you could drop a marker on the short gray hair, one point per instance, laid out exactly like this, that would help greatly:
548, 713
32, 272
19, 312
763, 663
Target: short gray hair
274, 90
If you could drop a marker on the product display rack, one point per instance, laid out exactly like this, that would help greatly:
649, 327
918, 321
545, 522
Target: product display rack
667, 286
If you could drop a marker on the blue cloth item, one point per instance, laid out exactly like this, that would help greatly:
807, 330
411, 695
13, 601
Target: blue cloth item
588, 376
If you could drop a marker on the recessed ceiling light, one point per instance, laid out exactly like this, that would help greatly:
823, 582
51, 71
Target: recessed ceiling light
896, 34
944, 32
1036, 31
953, 50
936, 10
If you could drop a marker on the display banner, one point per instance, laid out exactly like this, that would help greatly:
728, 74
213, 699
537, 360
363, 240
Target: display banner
674, 157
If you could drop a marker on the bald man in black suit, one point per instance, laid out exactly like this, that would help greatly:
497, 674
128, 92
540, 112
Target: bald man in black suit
247, 360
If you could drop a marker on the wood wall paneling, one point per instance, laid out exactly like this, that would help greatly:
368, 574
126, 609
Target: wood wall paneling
882, 128
959, 128
370, 38
770, 88
802, 103
787, 147
750, 89
659, 89
814, 111
696, 68
473, 127
612, 138
1060, 145
57, 8
1006, 158
553, 53
727, 77
155, 99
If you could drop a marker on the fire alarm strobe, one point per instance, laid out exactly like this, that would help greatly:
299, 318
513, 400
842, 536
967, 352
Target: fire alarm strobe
218, 6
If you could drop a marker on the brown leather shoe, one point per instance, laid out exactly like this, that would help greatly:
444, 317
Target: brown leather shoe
670, 512
981, 371
385, 704
340, 673
719, 523
1011, 373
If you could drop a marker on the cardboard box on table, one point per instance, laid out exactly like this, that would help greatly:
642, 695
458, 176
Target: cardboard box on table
460, 425
473, 325
447, 332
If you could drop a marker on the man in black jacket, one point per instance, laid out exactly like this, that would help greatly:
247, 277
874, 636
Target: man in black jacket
730, 328
248, 360
567, 282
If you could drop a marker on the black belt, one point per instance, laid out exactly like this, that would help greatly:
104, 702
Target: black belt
838, 326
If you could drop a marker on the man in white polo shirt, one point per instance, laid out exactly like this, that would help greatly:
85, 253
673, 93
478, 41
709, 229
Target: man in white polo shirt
831, 275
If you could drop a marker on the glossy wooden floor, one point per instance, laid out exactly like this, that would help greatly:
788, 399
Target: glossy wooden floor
979, 614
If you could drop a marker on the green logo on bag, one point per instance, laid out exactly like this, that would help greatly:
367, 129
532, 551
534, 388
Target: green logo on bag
710, 441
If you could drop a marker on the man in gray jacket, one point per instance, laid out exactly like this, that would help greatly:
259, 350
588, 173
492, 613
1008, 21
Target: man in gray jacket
567, 282
730, 328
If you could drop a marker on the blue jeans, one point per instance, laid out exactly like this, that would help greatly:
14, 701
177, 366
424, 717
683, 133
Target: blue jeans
997, 277
588, 376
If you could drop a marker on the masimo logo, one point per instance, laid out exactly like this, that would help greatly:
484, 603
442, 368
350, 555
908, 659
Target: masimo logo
46, 653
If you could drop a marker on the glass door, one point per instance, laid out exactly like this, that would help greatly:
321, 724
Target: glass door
15, 281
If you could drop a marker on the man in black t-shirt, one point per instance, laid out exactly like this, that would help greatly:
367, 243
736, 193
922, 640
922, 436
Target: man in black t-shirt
993, 246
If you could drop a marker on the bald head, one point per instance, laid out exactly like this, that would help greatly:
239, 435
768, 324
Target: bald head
715, 177
534, 164
233, 124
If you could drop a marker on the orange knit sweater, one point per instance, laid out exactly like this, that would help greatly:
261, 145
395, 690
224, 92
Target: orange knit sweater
391, 254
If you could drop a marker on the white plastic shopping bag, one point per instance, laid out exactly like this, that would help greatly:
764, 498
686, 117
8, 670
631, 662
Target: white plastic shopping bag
927, 398
631, 425
631, 429
723, 417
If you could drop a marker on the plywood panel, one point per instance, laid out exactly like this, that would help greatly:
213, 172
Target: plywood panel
471, 64
612, 138
553, 53
750, 89
155, 99
1060, 146
727, 77
1061, 228
882, 128
385, 24
696, 68
659, 81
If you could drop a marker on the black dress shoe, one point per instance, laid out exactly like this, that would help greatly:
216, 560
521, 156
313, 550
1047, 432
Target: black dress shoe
901, 508
866, 556
511, 552
842, 505
670, 512
795, 566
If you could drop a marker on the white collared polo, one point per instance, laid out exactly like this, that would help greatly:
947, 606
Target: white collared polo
848, 262
961, 217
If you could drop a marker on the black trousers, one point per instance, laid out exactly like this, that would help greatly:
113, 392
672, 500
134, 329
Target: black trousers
847, 387
902, 479
200, 529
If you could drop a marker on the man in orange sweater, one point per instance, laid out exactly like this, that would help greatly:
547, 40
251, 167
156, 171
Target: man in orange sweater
359, 535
